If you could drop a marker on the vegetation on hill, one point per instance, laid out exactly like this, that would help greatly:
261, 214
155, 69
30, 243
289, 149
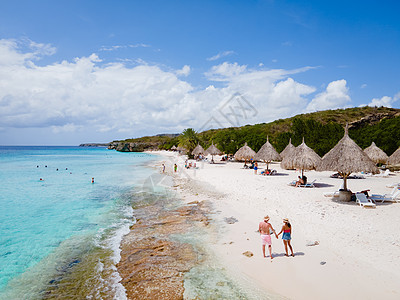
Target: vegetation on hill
321, 131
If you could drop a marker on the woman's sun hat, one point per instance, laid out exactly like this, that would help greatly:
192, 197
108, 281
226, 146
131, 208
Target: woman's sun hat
286, 220
266, 218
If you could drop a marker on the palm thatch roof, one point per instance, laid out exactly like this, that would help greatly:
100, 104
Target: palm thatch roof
302, 157
267, 153
288, 149
394, 159
347, 157
376, 154
245, 153
173, 147
181, 149
212, 150
198, 150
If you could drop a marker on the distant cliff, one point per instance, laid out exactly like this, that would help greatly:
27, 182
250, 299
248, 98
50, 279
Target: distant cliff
133, 147
321, 131
94, 145
144, 143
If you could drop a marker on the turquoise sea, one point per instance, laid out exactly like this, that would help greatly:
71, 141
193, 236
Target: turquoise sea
59, 236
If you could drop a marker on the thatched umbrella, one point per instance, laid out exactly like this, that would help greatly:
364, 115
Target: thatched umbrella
347, 157
288, 149
302, 157
181, 149
198, 150
212, 150
245, 153
173, 148
394, 158
376, 154
267, 153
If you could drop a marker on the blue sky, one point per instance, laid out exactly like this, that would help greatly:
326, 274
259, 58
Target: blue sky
94, 71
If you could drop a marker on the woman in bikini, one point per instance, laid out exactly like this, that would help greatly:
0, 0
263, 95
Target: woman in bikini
286, 237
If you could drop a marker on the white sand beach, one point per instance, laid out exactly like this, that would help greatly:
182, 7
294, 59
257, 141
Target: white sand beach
358, 249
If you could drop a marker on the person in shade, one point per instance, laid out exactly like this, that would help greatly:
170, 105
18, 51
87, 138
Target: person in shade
265, 229
287, 236
300, 181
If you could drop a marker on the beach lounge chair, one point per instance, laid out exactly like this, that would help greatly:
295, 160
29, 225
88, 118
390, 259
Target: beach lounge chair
335, 193
331, 194
392, 185
384, 174
392, 197
362, 200
309, 185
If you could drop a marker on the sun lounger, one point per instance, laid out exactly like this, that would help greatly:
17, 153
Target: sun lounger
392, 185
335, 193
392, 197
309, 185
362, 200
331, 194
384, 174
269, 172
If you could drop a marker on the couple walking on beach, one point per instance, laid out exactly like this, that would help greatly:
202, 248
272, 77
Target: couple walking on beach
265, 229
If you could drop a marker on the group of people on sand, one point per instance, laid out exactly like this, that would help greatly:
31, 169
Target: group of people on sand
265, 228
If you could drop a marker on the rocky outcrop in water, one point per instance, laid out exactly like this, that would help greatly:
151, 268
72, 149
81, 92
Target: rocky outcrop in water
94, 145
152, 264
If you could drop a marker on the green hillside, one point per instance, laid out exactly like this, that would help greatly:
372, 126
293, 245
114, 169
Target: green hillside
321, 131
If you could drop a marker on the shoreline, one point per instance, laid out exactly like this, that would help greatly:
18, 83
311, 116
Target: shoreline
357, 255
151, 267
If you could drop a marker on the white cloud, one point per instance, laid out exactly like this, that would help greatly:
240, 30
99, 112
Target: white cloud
9, 54
185, 71
384, 101
86, 94
225, 71
121, 100
220, 55
67, 96
363, 86
336, 95
117, 47
272, 92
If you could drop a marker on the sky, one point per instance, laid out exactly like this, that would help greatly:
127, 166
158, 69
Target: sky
76, 72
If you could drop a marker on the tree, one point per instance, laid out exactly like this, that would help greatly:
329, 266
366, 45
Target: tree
188, 140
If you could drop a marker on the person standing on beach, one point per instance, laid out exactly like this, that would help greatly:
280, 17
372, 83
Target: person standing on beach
163, 168
255, 168
265, 229
286, 237
175, 168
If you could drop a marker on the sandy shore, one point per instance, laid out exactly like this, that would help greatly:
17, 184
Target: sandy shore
358, 252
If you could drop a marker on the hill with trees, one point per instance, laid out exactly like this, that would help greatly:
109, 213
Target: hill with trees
321, 131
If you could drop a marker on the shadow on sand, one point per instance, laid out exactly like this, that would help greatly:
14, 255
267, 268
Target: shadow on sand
276, 174
275, 255
322, 185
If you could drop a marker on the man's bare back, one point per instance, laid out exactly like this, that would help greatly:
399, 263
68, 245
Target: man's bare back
264, 227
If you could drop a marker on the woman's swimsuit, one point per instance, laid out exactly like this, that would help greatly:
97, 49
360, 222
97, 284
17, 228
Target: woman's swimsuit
286, 235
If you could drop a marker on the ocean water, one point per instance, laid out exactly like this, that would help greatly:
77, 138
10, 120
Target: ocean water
59, 237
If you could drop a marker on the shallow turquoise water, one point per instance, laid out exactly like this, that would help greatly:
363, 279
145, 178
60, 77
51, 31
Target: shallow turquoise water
47, 227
